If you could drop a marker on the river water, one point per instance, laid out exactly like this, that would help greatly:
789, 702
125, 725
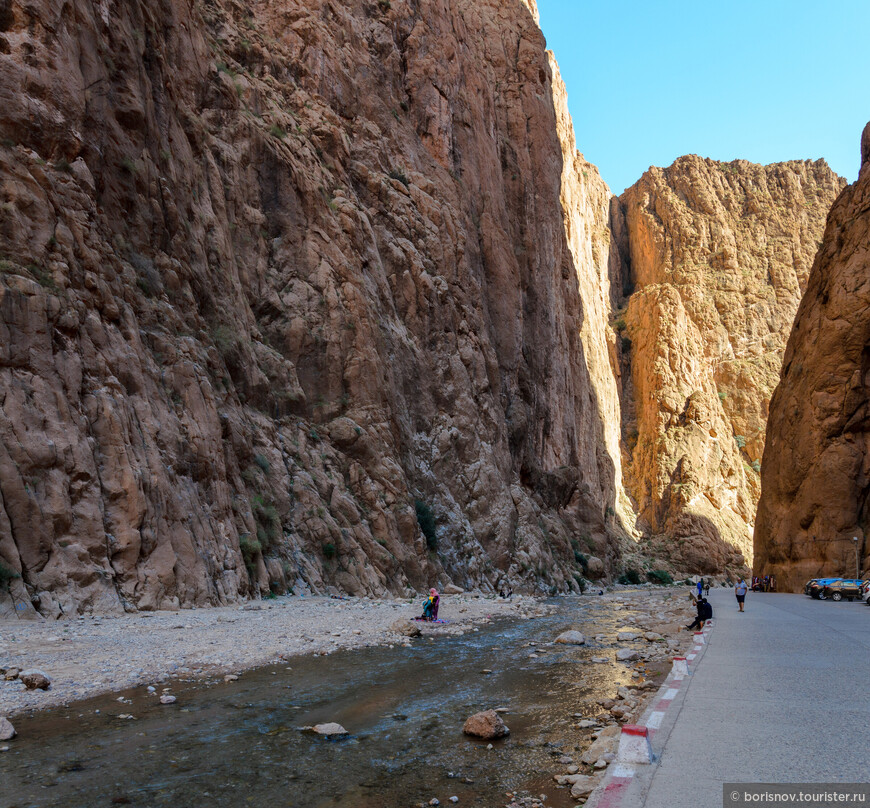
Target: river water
240, 743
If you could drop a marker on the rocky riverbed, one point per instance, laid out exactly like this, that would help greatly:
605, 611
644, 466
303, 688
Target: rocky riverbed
193, 707
87, 656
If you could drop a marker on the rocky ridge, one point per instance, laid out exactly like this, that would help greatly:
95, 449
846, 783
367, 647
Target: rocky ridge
817, 456
720, 254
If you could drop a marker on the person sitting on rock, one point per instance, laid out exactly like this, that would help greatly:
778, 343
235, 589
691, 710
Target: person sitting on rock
430, 606
705, 613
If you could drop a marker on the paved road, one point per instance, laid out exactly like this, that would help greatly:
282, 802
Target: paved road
781, 695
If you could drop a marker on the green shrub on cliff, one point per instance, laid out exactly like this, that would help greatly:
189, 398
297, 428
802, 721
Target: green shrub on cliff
268, 522
629, 576
250, 548
7, 574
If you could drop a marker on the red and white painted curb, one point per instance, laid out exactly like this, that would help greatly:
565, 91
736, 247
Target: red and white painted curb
634, 745
634, 742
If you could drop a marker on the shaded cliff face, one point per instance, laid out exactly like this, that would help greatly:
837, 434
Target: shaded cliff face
720, 254
816, 470
268, 275
594, 229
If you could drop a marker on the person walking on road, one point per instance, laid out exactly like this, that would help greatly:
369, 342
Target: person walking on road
700, 587
740, 592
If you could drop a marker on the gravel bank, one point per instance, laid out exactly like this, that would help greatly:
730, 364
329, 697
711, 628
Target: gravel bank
91, 655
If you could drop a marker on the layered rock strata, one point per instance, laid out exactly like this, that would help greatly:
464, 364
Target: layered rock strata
281, 283
815, 477
720, 255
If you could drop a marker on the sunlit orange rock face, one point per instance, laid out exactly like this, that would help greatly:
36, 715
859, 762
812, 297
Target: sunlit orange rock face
720, 255
816, 470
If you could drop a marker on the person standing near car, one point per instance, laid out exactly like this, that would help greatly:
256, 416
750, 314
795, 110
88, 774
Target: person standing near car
740, 592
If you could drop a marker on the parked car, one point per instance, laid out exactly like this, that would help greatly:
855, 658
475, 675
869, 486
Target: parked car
848, 588
815, 587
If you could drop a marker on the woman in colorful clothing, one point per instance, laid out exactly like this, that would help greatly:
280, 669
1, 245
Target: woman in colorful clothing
430, 606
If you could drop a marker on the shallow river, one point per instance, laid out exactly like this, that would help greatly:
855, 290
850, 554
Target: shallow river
240, 743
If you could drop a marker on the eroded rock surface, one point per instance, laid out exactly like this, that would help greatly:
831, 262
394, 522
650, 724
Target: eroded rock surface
720, 254
281, 284
816, 469
271, 274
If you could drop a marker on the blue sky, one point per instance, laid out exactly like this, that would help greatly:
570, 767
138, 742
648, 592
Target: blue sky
766, 81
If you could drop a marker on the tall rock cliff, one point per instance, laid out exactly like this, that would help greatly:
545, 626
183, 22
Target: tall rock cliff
282, 283
594, 228
815, 478
720, 255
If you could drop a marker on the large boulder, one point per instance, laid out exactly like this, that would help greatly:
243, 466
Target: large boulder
594, 568
583, 787
487, 725
406, 628
607, 741
452, 589
571, 638
7, 731
35, 679
581, 784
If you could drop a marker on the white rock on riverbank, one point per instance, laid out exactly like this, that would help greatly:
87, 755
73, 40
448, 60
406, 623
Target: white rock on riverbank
7, 731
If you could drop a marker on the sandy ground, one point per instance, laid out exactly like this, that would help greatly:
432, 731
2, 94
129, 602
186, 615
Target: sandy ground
87, 656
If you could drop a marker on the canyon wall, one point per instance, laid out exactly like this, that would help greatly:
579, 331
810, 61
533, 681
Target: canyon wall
720, 254
816, 469
594, 228
322, 296
282, 283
